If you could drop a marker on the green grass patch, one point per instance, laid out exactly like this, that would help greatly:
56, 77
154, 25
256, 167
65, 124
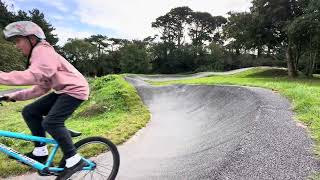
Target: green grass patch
114, 110
314, 176
4, 88
302, 92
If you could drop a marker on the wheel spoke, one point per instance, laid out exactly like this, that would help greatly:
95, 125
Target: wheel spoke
91, 174
101, 174
76, 174
85, 175
101, 152
103, 167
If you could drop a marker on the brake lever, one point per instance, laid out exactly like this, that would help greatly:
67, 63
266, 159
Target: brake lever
2, 98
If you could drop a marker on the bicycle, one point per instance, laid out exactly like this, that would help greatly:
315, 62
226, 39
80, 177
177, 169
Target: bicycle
94, 150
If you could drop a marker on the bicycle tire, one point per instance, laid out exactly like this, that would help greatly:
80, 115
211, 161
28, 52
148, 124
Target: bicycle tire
98, 156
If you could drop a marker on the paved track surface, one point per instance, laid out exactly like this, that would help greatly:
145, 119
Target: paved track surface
217, 132
169, 77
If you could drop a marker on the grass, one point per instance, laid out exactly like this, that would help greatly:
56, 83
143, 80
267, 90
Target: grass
302, 92
4, 88
114, 111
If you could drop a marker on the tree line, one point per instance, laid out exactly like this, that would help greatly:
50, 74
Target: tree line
275, 33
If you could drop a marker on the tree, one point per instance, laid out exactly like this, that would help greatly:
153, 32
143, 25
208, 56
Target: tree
218, 34
5, 16
116, 43
80, 53
34, 15
215, 57
203, 26
134, 58
238, 31
304, 33
22, 16
38, 17
180, 18
172, 24
163, 23
172, 27
275, 16
10, 58
100, 42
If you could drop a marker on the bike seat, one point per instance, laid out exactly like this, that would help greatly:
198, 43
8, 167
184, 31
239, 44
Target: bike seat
74, 133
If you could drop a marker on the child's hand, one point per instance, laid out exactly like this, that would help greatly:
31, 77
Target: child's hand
7, 99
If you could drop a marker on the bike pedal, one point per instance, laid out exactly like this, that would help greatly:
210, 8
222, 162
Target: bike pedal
41, 173
46, 172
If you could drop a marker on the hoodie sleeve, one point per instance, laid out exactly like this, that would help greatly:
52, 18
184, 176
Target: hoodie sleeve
17, 78
43, 66
27, 94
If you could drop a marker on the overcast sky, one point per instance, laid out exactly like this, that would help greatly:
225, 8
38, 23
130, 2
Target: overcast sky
129, 19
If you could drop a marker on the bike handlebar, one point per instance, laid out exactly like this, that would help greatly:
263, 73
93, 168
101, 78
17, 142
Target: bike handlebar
5, 98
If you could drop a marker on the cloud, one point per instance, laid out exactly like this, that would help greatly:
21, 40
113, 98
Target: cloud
64, 33
129, 19
12, 5
59, 4
61, 19
57, 17
132, 19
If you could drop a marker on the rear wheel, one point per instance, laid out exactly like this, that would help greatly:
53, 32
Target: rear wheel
103, 153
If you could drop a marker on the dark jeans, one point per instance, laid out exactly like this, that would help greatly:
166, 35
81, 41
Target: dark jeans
49, 114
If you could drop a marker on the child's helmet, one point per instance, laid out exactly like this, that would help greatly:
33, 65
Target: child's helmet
23, 28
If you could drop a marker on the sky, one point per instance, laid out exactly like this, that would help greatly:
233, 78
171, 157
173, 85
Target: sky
129, 19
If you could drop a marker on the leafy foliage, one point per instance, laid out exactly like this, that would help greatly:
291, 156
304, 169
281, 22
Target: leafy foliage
81, 54
134, 58
10, 58
34, 15
276, 33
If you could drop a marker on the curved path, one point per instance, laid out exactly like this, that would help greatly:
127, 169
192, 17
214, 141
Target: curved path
215, 132
169, 77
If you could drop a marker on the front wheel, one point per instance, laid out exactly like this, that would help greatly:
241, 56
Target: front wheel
103, 153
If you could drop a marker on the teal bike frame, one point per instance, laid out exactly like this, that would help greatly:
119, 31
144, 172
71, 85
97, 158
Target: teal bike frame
31, 162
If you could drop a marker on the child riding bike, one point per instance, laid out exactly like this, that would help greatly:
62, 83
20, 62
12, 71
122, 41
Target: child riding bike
46, 70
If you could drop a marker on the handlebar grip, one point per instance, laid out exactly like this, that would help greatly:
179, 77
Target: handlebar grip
6, 98
3, 98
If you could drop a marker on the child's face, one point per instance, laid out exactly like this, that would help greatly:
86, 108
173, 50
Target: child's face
23, 44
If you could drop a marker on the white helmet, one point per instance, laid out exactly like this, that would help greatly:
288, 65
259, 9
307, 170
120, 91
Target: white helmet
23, 28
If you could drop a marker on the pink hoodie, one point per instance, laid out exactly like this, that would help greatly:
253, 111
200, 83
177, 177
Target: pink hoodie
48, 70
